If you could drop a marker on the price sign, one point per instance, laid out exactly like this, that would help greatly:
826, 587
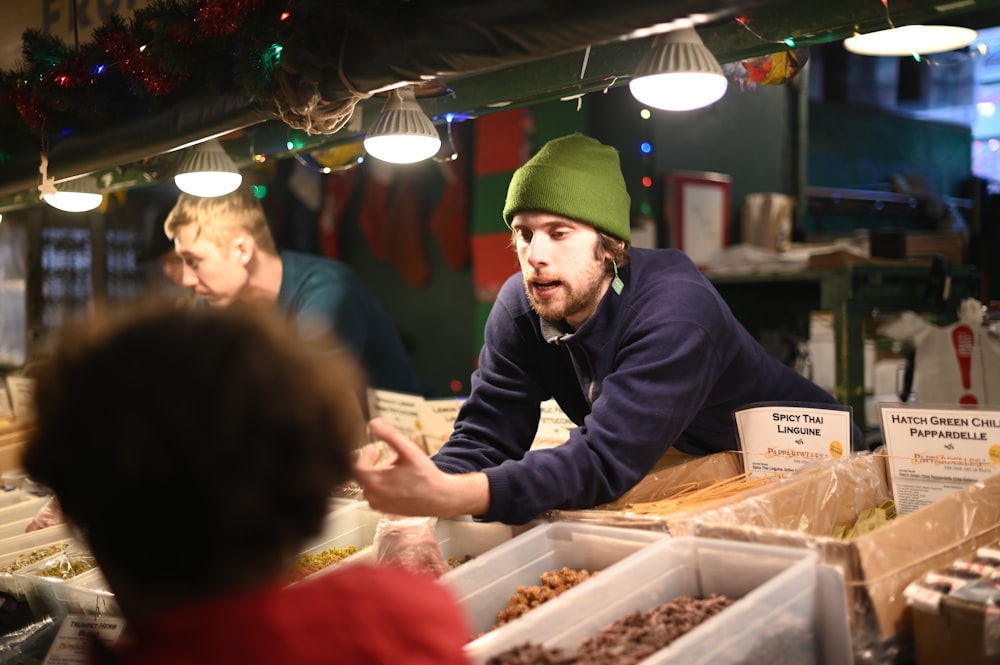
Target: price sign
934, 452
782, 437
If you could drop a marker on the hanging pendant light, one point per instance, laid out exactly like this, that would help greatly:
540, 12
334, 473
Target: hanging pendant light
76, 195
402, 133
207, 170
911, 40
678, 73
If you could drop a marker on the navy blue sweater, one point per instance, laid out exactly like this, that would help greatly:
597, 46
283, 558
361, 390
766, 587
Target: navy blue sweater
664, 363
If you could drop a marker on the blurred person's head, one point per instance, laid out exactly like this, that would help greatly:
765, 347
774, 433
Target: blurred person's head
195, 450
217, 239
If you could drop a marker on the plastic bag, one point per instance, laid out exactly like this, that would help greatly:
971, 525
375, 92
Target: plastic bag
410, 542
956, 364
49, 515
28, 644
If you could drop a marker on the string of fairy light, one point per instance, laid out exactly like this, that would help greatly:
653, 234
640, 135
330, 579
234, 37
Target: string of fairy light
645, 146
134, 66
978, 50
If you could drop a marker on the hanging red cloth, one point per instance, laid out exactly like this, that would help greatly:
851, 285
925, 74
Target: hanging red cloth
450, 219
339, 190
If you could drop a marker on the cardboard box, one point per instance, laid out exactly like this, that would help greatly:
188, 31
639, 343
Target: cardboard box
929, 245
959, 632
774, 619
803, 510
13, 438
674, 474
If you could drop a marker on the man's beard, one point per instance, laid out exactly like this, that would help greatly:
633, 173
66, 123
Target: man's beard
574, 301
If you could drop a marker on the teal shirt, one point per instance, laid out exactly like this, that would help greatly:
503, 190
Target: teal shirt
319, 290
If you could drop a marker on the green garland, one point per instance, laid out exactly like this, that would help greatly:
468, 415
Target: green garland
166, 52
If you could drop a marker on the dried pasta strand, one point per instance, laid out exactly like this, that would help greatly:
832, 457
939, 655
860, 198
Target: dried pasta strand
692, 498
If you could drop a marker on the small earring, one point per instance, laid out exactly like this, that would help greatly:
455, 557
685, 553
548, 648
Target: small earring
617, 284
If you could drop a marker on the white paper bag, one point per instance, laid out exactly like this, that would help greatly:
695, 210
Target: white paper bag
955, 364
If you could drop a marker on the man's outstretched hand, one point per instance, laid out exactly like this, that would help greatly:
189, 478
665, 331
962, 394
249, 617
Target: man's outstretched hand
409, 483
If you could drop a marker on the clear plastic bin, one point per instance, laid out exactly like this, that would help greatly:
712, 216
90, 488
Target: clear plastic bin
38, 540
484, 585
350, 526
773, 620
15, 527
90, 594
464, 538
460, 539
85, 594
26, 505
30, 539
56, 596
11, 497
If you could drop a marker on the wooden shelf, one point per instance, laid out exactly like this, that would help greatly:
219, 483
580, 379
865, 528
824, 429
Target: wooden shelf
872, 202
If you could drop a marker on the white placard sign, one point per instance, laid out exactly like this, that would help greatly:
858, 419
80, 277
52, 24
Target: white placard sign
400, 409
22, 397
72, 642
6, 413
553, 426
780, 438
426, 422
935, 452
431, 421
437, 421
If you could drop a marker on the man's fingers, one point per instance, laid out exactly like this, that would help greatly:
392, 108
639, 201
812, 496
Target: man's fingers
396, 440
367, 456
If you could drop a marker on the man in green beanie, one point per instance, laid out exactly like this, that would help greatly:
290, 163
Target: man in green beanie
635, 345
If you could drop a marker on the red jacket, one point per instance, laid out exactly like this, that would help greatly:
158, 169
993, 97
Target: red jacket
357, 614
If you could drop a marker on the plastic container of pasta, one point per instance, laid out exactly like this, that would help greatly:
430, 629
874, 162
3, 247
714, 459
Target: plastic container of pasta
25, 506
461, 540
349, 526
774, 617
51, 586
30, 548
484, 585
86, 594
15, 527
15, 496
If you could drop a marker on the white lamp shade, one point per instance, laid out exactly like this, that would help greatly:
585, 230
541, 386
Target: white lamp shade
207, 170
678, 73
911, 39
402, 133
76, 195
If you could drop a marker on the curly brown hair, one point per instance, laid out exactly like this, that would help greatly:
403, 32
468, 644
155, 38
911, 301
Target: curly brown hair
195, 450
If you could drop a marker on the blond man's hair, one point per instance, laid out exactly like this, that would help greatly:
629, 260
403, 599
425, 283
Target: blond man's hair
219, 219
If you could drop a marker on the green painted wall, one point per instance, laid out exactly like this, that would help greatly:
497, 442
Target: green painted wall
747, 135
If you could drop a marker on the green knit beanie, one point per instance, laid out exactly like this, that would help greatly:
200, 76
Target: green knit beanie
577, 177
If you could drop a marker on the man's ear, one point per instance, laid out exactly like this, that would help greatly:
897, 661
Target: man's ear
608, 255
244, 246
